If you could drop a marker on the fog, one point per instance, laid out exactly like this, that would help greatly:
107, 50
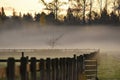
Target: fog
106, 38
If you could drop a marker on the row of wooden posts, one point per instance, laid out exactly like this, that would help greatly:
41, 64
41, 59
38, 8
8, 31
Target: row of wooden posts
50, 69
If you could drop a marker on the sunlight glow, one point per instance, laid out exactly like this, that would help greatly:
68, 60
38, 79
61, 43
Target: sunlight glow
23, 6
35, 6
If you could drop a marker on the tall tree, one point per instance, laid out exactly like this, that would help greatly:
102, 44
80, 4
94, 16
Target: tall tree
3, 15
53, 6
118, 8
75, 7
90, 12
84, 10
28, 17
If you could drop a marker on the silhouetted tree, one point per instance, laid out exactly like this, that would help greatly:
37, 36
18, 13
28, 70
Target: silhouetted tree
53, 6
84, 10
70, 19
104, 17
118, 8
28, 17
76, 7
3, 16
50, 18
37, 17
90, 12
16, 17
114, 18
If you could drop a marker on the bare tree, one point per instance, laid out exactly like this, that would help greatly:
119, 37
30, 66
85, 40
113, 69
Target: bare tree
84, 10
118, 8
75, 7
90, 12
53, 6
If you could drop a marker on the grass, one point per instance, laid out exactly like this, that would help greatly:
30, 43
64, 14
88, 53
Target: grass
108, 68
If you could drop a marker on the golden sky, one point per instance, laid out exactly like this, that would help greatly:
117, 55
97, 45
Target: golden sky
32, 6
23, 6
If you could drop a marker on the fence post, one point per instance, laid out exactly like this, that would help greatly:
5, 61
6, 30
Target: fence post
57, 68
23, 68
80, 67
53, 69
11, 69
42, 69
61, 68
48, 68
33, 68
71, 69
64, 69
75, 68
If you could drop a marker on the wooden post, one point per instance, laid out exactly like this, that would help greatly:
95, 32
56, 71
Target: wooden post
33, 68
48, 69
22, 54
53, 69
67, 68
75, 68
70, 68
57, 69
64, 68
61, 68
23, 68
11, 69
42, 69
79, 66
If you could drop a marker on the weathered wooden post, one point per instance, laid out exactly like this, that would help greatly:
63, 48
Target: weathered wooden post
33, 68
80, 69
61, 68
53, 69
64, 68
23, 68
22, 54
48, 68
75, 68
11, 69
42, 69
57, 68
69, 68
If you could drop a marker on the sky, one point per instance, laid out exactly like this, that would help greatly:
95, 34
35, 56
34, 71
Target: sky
32, 6
23, 6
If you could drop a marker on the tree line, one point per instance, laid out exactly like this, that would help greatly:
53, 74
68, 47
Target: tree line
76, 15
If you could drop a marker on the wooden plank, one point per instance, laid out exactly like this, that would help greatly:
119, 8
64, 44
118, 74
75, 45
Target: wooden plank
90, 60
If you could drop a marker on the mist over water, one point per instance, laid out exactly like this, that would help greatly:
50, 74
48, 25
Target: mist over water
106, 38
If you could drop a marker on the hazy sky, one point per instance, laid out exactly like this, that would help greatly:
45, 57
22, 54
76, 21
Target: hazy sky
23, 6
